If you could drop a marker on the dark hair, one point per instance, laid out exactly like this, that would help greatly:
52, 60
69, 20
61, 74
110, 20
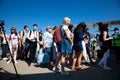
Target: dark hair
100, 24
34, 24
81, 26
70, 27
54, 27
25, 26
104, 27
116, 29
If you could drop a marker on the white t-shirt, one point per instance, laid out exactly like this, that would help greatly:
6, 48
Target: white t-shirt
65, 27
14, 39
4, 41
33, 35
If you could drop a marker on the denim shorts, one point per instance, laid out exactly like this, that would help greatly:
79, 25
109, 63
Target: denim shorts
66, 47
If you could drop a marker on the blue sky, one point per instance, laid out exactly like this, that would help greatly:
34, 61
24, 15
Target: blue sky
51, 12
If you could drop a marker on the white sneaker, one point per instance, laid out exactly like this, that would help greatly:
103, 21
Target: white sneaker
64, 73
107, 68
8, 61
53, 69
59, 65
16, 62
5, 58
56, 69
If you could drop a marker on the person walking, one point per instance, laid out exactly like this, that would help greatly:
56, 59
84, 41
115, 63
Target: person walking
4, 45
24, 43
78, 37
33, 38
13, 44
106, 43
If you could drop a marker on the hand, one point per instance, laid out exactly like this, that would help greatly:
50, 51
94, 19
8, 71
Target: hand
111, 38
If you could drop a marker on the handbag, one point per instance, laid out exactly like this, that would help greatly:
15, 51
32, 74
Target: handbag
43, 58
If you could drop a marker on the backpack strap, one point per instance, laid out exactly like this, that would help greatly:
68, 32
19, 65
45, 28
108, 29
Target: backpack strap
30, 33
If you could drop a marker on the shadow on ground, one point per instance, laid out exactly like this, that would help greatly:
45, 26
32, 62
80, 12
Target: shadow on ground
92, 73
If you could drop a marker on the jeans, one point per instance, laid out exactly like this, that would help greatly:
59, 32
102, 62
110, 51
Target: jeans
88, 52
25, 49
4, 50
49, 51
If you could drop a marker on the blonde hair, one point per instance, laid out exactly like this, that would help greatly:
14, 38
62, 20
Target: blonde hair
66, 20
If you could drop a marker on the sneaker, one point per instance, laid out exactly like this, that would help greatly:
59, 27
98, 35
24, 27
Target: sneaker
56, 69
64, 73
107, 68
5, 58
16, 62
53, 69
100, 65
59, 65
8, 61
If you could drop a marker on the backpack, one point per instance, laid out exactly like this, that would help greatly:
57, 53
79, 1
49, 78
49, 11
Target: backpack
57, 37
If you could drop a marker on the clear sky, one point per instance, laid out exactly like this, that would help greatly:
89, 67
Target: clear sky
51, 12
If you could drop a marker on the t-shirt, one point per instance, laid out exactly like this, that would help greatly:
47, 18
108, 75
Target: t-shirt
33, 35
65, 27
48, 39
14, 39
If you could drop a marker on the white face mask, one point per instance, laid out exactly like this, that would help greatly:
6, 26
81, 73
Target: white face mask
69, 22
50, 30
116, 31
27, 29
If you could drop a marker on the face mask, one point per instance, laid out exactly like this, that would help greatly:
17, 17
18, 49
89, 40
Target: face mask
50, 30
72, 29
35, 29
117, 31
69, 23
12, 31
27, 29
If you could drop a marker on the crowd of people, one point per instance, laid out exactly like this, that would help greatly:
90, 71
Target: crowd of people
64, 44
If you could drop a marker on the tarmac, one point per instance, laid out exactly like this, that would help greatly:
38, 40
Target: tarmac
37, 72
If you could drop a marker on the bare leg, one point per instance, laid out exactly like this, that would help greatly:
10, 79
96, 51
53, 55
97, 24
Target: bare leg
62, 61
79, 59
74, 62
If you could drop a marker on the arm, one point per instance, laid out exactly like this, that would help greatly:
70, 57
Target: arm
105, 36
68, 35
